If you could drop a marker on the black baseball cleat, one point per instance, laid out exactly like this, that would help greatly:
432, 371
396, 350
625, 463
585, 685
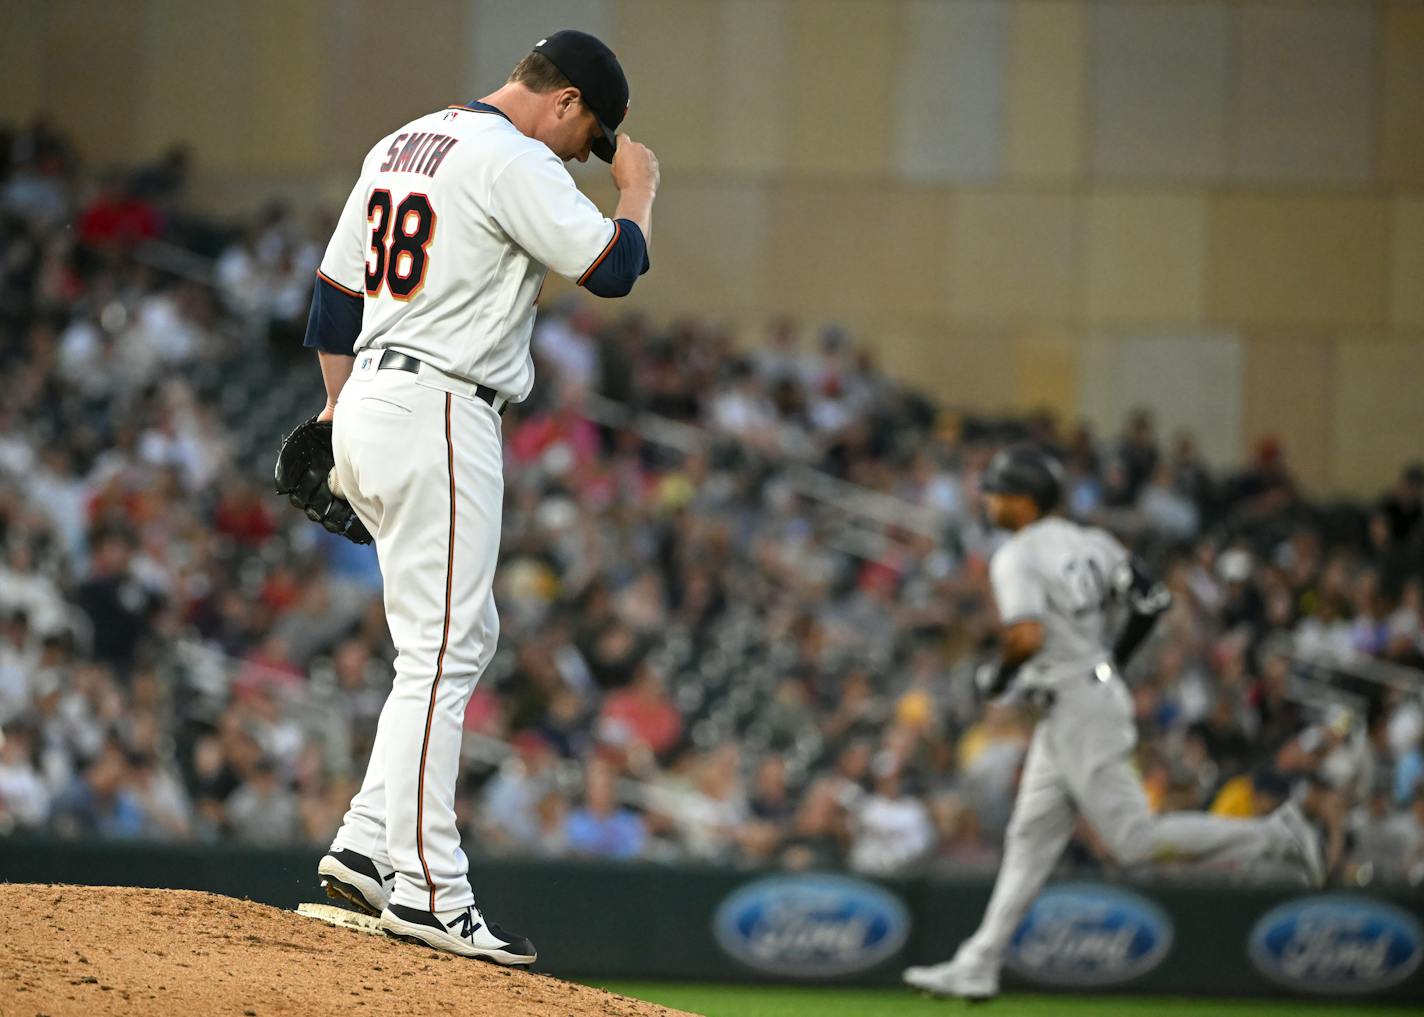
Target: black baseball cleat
463, 931
354, 879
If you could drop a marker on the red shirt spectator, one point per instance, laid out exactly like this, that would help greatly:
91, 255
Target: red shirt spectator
642, 712
243, 516
269, 669
117, 218
543, 435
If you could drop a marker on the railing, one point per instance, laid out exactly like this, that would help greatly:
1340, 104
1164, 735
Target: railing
176, 260
1359, 666
859, 516
1322, 679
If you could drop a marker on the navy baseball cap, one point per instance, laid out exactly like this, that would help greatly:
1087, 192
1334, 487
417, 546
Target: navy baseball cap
592, 68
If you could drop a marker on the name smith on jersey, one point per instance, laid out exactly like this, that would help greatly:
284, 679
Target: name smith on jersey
422, 152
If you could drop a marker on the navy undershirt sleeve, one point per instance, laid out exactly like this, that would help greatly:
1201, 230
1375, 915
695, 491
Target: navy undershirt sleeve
620, 267
335, 319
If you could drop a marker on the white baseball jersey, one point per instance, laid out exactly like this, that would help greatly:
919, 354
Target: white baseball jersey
1059, 573
448, 234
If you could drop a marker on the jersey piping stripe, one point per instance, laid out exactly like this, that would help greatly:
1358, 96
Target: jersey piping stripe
332, 282
617, 229
439, 665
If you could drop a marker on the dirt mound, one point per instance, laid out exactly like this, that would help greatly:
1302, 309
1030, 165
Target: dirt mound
81, 951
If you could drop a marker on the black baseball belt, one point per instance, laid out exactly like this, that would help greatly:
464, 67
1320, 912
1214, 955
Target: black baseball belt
1042, 700
394, 360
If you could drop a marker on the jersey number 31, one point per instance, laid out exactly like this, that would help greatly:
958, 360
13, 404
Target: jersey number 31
399, 243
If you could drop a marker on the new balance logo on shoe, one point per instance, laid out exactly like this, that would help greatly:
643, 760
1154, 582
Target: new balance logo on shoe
465, 932
468, 926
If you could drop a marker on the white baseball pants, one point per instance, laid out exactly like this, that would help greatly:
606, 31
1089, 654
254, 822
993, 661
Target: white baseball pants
1078, 762
421, 465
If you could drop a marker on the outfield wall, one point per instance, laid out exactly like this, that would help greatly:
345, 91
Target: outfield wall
599, 920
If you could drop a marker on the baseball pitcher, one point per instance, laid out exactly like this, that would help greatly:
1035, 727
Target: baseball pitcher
422, 316
1062, 591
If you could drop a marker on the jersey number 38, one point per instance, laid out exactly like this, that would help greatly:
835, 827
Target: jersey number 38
399, 243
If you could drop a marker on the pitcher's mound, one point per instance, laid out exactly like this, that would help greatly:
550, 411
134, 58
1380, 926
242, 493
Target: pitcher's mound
84, 951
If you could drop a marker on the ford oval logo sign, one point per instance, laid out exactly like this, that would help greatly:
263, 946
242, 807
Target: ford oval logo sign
1085, 934
811, 925
1337, 944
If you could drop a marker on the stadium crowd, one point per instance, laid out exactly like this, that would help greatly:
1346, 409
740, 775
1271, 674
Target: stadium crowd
742, 585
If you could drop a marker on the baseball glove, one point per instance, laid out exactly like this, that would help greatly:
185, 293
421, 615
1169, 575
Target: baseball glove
303, 474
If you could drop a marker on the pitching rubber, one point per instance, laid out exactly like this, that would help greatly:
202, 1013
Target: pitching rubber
342, 918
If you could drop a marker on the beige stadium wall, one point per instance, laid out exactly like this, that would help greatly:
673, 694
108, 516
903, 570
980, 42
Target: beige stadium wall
1212, 208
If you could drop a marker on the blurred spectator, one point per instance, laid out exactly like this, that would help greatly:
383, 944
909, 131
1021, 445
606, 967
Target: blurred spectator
120, 607
770, 809
262, 811
1166, 509
1265, 487
1135, 459
1223, 737
1248, 796
962, 845
243, 515
1383, 845
990, 753
1408, 827
601, 827
1403, 506
24, 798
509, 816
641, 714
162, 797
818, 833
116, 216
16, 663
891, 832
711, 819
552, 822
101, 802
28, 593
1406, 741
566, 347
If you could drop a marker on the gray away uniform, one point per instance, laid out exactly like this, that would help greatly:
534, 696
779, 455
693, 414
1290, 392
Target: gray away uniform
1060, 574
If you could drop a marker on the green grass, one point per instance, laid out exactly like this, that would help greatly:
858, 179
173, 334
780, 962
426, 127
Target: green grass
795, 1001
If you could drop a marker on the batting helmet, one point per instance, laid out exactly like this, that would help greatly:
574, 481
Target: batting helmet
1025, 470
